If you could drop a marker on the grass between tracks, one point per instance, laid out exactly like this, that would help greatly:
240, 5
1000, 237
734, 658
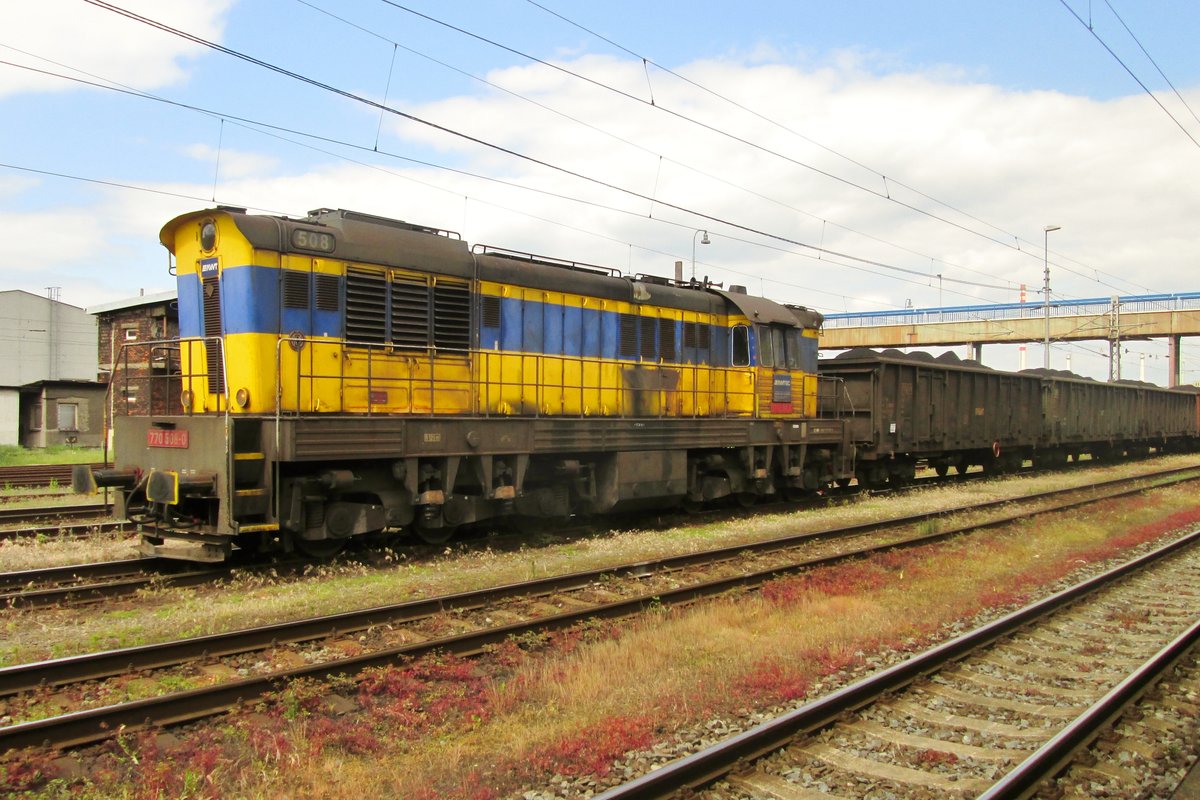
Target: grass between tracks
12, 455
568, 705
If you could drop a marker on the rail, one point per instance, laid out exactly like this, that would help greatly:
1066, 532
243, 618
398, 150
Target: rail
690, 773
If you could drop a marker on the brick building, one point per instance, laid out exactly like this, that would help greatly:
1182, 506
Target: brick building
138, 353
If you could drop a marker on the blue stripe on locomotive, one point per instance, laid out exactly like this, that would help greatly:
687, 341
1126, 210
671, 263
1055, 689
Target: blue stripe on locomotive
191, 309
250, 303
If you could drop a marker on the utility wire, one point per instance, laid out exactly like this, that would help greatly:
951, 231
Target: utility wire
496, 147
884, 195
884, 178
1125, 66
1150, 58
276, 131
631, 143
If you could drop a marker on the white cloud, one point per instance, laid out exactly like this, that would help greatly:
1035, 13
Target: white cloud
231, 163
1116, 175
101, 42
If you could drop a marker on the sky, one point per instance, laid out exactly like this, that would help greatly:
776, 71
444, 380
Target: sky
859, 155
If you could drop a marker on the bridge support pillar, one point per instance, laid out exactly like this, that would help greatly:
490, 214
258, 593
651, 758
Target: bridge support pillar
1174, 361
975, 351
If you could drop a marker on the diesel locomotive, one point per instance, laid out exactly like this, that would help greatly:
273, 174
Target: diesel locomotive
344, 374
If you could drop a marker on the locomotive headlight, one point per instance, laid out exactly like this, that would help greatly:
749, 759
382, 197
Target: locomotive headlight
242, 397
208, 235
185, 399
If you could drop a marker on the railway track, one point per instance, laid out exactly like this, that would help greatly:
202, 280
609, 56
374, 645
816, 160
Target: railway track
86, 583
40, 474
67, 530
89, 583
32, 514
396, 630
993, 714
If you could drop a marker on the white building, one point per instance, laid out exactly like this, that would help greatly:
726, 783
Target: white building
42, 340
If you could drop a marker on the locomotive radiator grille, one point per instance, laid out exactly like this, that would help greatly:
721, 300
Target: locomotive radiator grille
212, 332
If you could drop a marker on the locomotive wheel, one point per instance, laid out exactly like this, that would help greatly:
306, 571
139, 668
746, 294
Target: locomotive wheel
790, 494
746, 499
321, 549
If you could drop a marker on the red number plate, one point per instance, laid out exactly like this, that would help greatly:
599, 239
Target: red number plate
160, 437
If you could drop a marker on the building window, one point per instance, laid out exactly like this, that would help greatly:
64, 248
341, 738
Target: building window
35, 417
131, 334
68, 416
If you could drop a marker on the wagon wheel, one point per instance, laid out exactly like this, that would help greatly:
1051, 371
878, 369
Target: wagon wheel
436, 535
942, 470
320, 549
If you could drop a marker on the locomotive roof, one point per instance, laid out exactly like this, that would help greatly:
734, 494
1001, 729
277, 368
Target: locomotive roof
759, 309
378, 240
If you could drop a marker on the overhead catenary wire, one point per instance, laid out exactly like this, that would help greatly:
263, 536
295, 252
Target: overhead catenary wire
1150, 58
1092, 30
276, 131
490, 145
885, 179
885, 194
659, 157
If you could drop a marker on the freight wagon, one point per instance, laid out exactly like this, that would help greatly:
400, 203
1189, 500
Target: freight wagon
905, 411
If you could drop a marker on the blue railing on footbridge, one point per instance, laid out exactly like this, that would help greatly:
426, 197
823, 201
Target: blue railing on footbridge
1181, 301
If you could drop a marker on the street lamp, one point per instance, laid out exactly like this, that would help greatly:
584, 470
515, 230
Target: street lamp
702, 241
1046, 289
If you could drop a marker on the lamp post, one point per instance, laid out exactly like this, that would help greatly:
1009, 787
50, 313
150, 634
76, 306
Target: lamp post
702, 241
1046, 289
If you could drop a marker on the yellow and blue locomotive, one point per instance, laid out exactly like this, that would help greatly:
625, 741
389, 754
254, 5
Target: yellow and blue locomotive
343, 374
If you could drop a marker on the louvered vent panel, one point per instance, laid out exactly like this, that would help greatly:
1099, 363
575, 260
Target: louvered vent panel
328, 293
212, 328
451, 316
410, 313
647, 351
629, 348
366, 306
490, 310
295, 289
666, 339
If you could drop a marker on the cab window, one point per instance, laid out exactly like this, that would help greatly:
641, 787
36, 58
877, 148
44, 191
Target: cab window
793, 348
766, 348
740, 347
781, 352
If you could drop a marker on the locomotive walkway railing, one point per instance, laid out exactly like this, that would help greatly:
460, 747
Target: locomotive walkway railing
149, 379
376, 379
